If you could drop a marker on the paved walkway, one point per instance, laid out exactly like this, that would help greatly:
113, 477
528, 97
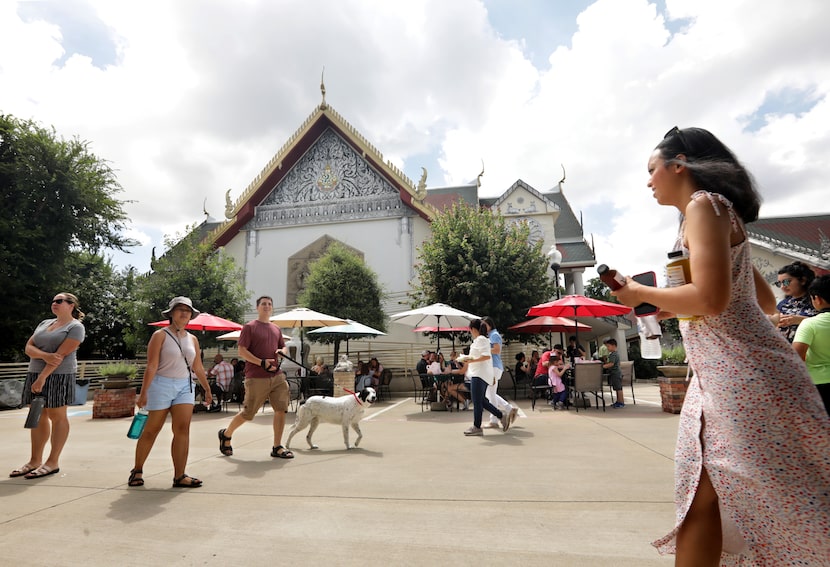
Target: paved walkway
559, 488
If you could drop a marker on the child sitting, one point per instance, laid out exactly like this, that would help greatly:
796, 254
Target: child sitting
559, 393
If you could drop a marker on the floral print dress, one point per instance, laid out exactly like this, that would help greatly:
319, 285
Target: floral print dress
754, 420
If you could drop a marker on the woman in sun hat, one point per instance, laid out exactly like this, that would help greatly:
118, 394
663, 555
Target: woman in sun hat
172, 357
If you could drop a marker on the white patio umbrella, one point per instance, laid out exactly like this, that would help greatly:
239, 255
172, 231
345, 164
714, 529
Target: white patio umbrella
351, 330
303, 317
234, 336
438, 314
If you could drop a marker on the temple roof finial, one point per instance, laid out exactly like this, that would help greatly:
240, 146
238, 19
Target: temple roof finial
323, 104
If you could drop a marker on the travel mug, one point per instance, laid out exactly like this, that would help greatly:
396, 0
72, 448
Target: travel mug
35, 411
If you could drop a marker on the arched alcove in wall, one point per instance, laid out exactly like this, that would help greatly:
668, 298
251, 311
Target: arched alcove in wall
298, 265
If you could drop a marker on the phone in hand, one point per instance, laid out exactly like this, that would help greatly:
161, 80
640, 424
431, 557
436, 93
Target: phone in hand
646, 278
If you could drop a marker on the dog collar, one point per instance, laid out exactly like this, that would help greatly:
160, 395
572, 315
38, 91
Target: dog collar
354, 394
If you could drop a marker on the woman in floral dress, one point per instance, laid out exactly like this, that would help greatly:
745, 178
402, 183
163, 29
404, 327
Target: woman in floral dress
752, 478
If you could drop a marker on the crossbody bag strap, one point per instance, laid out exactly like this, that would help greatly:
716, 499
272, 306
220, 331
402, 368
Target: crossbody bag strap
178, 344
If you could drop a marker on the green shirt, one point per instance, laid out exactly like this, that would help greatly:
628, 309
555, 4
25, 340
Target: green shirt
815, 332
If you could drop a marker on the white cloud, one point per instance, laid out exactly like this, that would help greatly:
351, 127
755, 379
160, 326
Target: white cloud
202, 94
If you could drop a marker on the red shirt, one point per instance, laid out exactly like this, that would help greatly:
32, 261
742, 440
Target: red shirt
541, 368
263, 340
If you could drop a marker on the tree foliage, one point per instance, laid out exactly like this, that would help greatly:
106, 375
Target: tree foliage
596, 289
477, 261
192, 268
58, 198
105, 295
339, 283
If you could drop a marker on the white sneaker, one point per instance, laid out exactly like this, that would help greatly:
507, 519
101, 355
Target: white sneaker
474, 431
505, 420
494, 425
514, 412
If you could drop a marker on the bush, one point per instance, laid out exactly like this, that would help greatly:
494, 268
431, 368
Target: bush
674, 355
118, 369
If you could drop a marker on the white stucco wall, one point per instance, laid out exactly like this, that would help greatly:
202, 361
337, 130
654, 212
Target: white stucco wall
388, 245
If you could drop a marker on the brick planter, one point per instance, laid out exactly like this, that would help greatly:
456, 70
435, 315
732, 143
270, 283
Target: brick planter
113, 403
672, 387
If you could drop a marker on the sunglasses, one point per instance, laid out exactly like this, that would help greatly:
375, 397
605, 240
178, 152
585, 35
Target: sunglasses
676, 132
61, 300
785, 282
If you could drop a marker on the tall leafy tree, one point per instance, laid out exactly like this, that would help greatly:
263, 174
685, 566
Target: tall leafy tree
479, 262
339, 283
192, 268
105, 295
57, 198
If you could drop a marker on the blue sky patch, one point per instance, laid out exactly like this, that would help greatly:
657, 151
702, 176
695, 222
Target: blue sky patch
788, 100
82, 30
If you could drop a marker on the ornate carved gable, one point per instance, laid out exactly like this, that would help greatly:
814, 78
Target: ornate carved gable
298, 265
330, 183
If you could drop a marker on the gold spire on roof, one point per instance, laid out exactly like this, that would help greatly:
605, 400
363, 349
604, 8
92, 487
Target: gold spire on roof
478, 179
323, 104
421, 190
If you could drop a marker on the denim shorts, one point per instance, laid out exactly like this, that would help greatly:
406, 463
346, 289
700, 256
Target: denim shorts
165, 392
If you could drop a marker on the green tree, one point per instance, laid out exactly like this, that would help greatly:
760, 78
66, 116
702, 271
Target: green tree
192, 268
596, 289
479, 262
105, 295
339, 283
57, 198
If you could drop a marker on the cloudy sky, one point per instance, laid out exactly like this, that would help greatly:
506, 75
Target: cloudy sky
188, 99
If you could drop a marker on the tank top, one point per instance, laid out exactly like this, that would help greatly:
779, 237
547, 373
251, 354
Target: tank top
171, 362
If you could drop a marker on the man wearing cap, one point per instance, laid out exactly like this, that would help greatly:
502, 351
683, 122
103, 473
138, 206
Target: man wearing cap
260, 345
421, 367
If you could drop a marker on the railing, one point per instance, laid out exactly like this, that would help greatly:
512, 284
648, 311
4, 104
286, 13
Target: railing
87, 370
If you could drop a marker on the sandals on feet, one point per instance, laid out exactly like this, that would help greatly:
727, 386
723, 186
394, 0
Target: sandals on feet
134, 480
226, 450
281, 452
192, 482
22, 471
41, 471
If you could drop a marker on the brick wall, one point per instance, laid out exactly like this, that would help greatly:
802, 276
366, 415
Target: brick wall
113, 403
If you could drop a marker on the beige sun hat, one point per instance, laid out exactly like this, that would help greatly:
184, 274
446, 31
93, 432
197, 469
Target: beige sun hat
181, 300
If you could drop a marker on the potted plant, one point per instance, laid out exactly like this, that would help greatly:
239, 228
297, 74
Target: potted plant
673, 384
674, 361
117, 374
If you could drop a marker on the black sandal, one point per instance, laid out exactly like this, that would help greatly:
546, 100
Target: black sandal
226, 450
284, 454
194, 482
134, 480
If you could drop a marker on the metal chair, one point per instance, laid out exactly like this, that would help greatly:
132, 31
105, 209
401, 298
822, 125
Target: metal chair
627, 370
384, 390
543, 390
588, 379
423, 386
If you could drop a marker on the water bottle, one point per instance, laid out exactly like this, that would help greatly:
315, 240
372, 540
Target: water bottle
138, 423
35, 411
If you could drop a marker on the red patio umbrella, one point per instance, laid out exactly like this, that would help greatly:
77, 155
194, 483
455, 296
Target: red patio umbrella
578, 306
549, 325
205, 322
452, 332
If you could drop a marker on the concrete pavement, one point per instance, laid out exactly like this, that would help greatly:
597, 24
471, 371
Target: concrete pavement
559, 488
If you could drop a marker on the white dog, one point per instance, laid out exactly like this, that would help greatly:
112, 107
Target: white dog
345, 410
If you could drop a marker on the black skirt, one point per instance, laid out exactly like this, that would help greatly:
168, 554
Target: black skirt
59, 389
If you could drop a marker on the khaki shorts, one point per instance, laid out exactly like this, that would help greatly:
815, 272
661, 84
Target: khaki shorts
257, 390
